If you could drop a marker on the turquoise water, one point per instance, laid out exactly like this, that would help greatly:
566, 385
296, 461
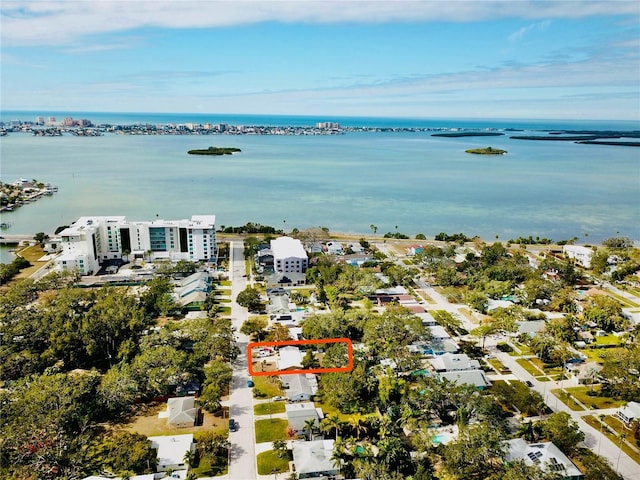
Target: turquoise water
440, 438
419, 183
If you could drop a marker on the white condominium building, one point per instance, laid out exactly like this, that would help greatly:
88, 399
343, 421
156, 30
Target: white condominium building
288, 255
91, 241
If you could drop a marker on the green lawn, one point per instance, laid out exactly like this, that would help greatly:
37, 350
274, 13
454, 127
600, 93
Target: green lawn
205, 469
498, 365
596, 403
608, 340
268, 408
567, 399
269, 385
529, 367
225, 283
524, 349
271, 429
269, 463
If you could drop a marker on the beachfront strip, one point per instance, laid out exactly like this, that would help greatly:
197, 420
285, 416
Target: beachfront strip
315, 443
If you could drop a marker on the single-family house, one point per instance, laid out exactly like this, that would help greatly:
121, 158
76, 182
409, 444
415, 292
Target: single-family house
171, 450
629, 412
477, 378
299, 413
182, 412
334, 248
452, 362
279, 302
300, 387
314, 459
427, 319
415, 249
355, 247
530, 327
290, 358
545, 455
192, 291
289, 279
264, 259
586, 336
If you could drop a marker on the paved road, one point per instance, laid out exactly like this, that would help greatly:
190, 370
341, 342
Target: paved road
242, 455
629, 469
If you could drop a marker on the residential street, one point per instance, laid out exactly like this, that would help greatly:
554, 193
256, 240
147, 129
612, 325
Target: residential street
242, 455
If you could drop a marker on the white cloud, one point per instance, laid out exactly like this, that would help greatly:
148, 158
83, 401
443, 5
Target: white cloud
29, 22
524, 31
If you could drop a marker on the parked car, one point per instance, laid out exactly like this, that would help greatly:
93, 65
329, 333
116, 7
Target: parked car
528, 383
278, 398
233, 425
250, 383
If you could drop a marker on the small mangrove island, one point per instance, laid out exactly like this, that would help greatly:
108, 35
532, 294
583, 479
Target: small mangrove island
214, 151
486, 151
467, 134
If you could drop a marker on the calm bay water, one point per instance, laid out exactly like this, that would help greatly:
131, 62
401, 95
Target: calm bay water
420, 183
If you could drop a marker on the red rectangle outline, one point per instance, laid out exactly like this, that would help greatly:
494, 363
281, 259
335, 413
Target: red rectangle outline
285, 343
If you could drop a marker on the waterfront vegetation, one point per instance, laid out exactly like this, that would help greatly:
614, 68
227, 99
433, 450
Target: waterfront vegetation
214, 151
486, 151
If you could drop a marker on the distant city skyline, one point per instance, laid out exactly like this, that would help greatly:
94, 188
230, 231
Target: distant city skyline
420, 59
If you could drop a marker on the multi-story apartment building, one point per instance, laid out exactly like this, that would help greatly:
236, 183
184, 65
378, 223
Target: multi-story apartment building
288, 255
91, 241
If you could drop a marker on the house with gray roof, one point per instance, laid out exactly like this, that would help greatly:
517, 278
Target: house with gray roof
629, 413
299, 413
182, 412
477, 378
313, 459
451, 362
544, 455
300, 387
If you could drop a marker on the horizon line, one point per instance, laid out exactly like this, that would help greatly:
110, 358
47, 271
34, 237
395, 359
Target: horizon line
399, 117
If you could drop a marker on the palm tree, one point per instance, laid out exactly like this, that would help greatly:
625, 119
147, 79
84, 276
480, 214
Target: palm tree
358, 425
336, 457
332, 422
592, 375
189, 457
374, 228
309, 426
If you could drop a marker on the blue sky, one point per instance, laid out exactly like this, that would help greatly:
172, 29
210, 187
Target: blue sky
426, 59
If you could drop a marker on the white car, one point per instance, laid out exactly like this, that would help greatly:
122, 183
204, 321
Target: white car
278, 399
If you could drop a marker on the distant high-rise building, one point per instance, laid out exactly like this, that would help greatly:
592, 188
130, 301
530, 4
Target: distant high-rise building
51, 120
39, 120
328, 125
